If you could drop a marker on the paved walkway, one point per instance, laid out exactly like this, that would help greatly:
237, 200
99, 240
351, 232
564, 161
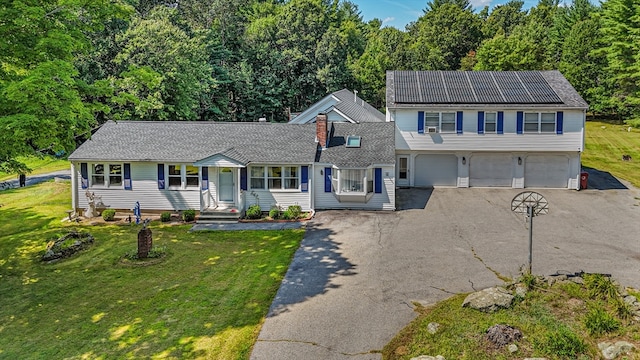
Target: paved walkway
36, 179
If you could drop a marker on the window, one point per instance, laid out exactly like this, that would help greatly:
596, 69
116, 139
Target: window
115, 175
347, 181
175, 176
97, 175
191, 176
490, 122
276, 177
106, 175
440, 122
540, 122
353, 141
183, 176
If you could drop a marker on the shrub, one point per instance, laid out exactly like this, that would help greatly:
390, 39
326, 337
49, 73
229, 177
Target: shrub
109, 214
189, 215
562, 342
529, 280
600, 286
293, 212
274, 213
599, 321
254, 212
155, 253
165, 216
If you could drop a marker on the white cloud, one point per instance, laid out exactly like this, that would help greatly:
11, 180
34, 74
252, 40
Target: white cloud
388, 19
479, 4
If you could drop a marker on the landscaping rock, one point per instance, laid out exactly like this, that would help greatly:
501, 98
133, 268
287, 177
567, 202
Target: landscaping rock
512, 348
427, 357
432, 328
630, 300
502, 335
67, 245
489, 300
552, 279
611, 351
535, 358
521, 290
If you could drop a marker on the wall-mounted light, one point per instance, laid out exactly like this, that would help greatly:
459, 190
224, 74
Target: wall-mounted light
519, 160
321, 172
464, 160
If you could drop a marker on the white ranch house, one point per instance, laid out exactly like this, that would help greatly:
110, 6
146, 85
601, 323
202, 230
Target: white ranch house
441, 128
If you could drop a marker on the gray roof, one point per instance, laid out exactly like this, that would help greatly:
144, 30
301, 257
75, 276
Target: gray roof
187, 141
377, 145
357, 109
474, 88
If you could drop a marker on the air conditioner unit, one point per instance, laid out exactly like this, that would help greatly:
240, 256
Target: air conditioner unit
432, 129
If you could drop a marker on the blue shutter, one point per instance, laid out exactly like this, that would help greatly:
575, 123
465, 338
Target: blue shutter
459, 122
305, 179
84, 174
327, 179
205, 178
519, 122
500, 126
160, 176
378, 180
127, 176
559, 122
420, 122
243, 178
480, 122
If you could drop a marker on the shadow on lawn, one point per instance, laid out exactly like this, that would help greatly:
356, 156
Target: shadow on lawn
602, 180
315, 263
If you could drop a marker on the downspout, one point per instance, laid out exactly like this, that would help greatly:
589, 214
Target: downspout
74, 189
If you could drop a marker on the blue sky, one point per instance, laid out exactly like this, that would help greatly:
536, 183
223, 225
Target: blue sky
399, 13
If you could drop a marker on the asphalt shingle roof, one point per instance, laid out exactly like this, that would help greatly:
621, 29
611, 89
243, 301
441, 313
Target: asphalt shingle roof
358, 110
377, 145
187, 141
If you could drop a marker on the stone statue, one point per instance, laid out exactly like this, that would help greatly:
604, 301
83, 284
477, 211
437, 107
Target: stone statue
94, 205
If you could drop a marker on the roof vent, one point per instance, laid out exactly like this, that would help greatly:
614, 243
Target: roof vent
262, 120
353, 141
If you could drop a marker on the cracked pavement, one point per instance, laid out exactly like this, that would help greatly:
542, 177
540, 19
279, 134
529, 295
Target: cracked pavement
351, 284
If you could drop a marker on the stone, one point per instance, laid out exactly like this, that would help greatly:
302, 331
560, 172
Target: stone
512, 348
489, 300
427, 357
501, 335
432, 328
630, 300
535, 359
611, 351
521, 290
577, 279
552, 279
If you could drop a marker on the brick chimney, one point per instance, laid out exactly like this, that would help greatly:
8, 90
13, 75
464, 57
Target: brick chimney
321, 130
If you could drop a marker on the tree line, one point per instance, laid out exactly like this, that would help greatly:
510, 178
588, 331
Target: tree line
67, 66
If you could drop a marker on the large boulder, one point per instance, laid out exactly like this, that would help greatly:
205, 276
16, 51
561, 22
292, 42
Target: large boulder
489, 300
611, 351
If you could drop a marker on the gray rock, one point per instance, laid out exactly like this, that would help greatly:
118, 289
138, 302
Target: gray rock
489, 300
521, 290
432, 328
577, 279
552, 279
427, 357
611, 351
535, 358
630, 299
512, 348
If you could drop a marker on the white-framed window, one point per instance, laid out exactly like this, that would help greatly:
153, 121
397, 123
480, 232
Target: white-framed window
106, 175
540, 122
275, 177
181, 176
490, 121
350, 181
440, 122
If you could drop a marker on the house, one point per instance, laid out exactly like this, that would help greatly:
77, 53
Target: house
211, 165
340, 106
486, 128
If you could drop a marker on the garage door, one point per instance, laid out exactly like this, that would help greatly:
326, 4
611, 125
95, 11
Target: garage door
546, 171
436, 170
491, 170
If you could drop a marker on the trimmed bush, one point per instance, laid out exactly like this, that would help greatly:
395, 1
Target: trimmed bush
165, 216
293, 212
274, 213
189, 215
254, 212
109, 214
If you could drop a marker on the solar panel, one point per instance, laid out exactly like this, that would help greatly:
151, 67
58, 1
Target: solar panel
511, 87
538, 87
406, 87
458, 86
485, 87
432, 88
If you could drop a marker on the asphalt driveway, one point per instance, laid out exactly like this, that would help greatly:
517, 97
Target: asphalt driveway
352, 283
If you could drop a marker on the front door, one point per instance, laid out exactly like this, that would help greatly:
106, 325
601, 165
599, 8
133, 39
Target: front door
225, 185
403, 171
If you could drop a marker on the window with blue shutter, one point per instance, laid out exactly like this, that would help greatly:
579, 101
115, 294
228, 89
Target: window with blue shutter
127, 177
160, 176
500, 127
327, 179
420, 122
304, 183
243, 178
378, 180
205, 178
559, 122
84, 174
519, 122
480, 122
459, 122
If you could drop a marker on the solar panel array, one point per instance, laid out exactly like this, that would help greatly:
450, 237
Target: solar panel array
473, 87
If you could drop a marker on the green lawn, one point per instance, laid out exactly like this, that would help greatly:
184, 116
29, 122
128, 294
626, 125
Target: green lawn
605, 145
39, 166
206, 299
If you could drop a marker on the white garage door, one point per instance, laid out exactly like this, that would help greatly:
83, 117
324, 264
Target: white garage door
491, 170
436, 170
546, 171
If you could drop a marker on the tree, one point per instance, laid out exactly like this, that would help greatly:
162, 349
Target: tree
504, 17
435, 4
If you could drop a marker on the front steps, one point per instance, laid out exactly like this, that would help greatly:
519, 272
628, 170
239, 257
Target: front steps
219, 216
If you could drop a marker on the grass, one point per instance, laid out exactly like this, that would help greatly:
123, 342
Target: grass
557, 322
207, 298
39, 165
605, 143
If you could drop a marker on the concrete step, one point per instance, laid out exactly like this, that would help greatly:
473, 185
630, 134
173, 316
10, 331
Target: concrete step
218, 216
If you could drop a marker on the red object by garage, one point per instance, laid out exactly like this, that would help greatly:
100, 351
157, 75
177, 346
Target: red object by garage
584, 180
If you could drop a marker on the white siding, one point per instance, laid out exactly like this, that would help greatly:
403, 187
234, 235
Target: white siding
267, 199
382, 201
144, 189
